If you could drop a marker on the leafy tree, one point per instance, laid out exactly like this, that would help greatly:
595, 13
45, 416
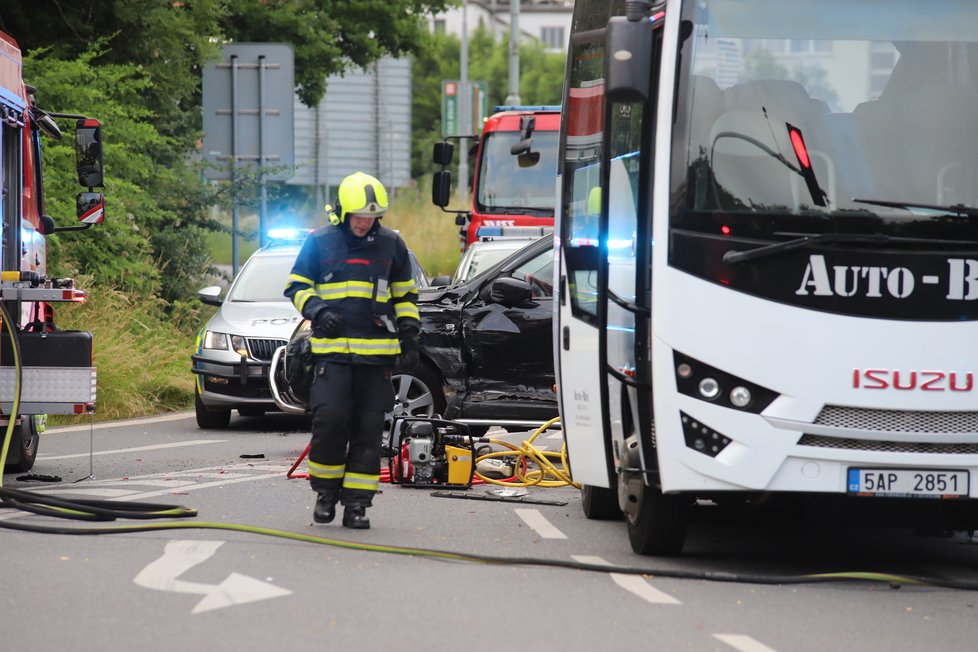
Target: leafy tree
154, 51
132, 249
329, 37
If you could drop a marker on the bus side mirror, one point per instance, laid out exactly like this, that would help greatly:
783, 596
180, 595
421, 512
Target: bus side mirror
443, 153
88, 153
628, 73
441, 188
90, 207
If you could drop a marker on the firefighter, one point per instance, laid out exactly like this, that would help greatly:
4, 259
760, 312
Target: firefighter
353, 280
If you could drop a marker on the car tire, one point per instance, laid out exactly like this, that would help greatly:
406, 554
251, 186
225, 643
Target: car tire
599, 503
418, 392
210, 418
23, 445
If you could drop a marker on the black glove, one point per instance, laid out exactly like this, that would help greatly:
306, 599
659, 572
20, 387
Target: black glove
409, 357
327, 323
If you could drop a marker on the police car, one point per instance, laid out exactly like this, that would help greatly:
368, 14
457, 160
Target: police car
233, 351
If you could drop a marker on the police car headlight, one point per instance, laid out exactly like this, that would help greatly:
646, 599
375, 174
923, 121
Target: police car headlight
214, 340
239, 345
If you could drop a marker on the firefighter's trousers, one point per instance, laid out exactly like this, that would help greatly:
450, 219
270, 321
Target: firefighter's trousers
348, 402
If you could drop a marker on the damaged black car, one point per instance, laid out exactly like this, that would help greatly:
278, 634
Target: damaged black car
486, 349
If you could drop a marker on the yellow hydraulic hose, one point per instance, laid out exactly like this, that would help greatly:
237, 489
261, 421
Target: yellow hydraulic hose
534, 467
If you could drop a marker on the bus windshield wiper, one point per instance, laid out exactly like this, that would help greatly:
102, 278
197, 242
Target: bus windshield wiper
955, 209
736, 257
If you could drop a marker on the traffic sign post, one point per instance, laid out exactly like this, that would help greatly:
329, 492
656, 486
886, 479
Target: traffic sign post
248, 116
451, 91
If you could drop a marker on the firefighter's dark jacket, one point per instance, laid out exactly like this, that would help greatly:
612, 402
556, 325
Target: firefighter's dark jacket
368, 281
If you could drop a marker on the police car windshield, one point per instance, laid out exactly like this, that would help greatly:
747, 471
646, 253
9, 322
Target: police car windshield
263, 278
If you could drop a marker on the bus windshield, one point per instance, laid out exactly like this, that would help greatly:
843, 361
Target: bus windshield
511, 184
824, 116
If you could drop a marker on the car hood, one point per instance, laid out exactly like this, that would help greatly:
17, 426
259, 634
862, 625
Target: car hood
267, 319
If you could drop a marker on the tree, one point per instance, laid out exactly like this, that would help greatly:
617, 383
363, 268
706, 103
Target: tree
156, 50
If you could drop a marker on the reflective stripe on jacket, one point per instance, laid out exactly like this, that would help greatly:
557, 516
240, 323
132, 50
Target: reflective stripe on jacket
367, 280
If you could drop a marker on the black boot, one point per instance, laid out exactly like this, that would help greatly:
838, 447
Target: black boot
355, 516
325, 510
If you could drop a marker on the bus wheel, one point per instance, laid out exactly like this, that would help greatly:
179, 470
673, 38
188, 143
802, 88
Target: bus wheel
23, 445
658, 524
600, 504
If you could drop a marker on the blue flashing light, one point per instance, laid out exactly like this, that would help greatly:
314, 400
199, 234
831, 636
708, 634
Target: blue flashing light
489, 232
517, 107
283, 235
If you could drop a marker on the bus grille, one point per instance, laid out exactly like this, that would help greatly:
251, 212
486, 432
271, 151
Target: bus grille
849, 418
263, 349
888, 446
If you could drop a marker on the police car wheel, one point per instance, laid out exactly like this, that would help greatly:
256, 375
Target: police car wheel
210, 418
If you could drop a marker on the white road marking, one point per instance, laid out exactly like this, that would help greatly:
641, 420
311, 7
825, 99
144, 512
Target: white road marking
137, 449
632, 583
539, 524
180, 556
98, 425
743, 643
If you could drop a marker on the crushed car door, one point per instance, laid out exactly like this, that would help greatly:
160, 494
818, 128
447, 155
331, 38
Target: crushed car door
510, 347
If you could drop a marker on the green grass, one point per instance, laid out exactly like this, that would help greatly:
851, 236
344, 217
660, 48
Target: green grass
430, 233
142, 356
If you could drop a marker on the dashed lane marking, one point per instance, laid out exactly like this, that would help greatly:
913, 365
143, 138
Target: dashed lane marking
743, 643
539, 524
631, 583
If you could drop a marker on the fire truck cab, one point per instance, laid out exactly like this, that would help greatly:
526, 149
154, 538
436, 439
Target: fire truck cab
514, 175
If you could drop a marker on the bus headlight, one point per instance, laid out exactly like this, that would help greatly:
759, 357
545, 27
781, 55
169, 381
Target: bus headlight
740, 396
699, 380
709, 388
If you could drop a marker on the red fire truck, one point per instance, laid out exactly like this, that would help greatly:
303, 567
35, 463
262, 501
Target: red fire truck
514, 176
43, 370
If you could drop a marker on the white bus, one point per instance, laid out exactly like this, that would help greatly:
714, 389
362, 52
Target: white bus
768, 257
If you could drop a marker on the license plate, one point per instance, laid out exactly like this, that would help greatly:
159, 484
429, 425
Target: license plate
908, 483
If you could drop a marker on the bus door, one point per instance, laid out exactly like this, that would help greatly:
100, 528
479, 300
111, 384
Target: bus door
605, 253
577, 338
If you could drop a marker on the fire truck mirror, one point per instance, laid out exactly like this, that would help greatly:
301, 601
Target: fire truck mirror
443, 153
528, 159
441, 188
90, 207
88, 153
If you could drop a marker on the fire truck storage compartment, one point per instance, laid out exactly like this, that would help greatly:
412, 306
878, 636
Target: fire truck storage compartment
55, 349
57, 376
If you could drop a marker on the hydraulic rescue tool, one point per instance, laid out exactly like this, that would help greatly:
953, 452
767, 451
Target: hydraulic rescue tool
431, 453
